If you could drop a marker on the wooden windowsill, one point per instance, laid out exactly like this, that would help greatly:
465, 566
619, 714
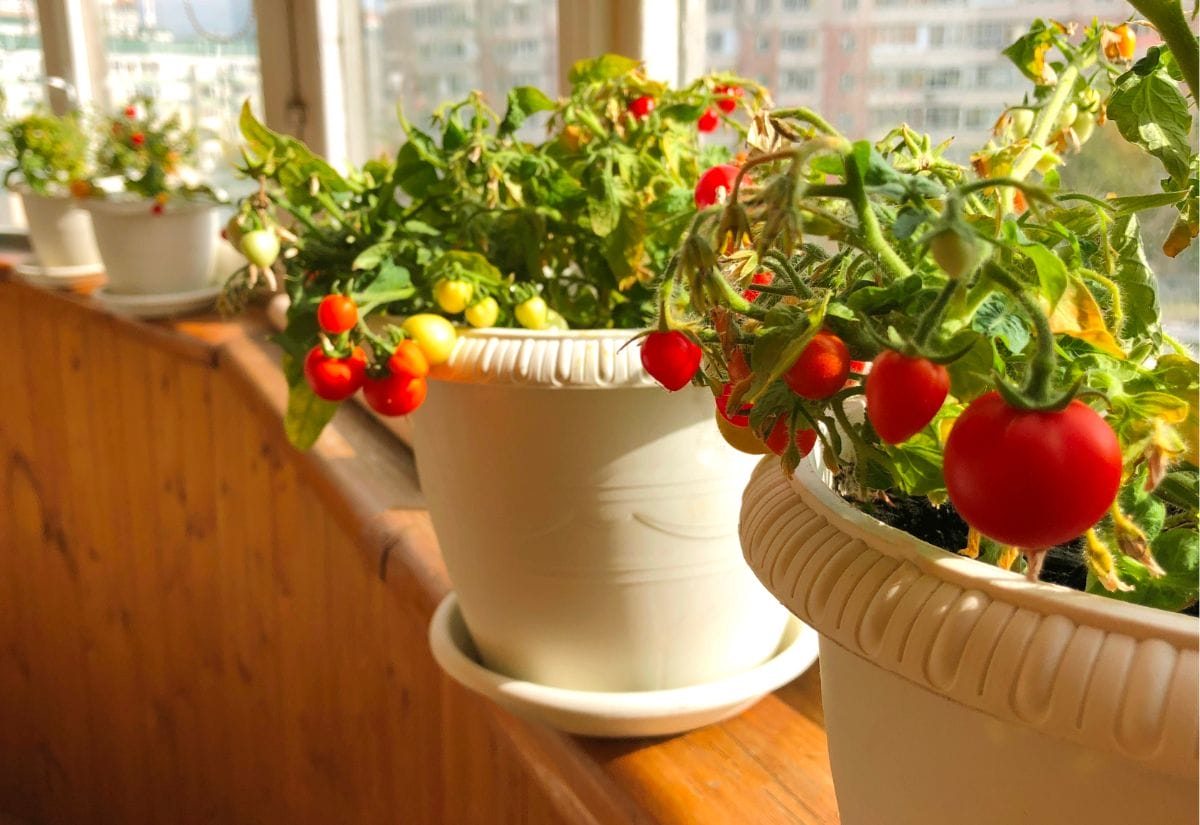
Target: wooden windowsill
767, 765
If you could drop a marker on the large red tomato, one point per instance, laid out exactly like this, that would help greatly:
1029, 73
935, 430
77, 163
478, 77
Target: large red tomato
1031, 479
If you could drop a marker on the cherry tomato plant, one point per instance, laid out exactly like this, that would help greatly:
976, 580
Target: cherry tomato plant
478, 223
1002, 334
49, 154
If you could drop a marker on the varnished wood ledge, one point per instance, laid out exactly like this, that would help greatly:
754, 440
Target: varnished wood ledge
340, 716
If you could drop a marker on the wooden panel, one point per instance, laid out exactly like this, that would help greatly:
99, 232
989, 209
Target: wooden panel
198, 624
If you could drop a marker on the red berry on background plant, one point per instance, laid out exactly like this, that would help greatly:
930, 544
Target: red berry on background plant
394, 394
131, 112
709, 121
1032, 479
728, 97
904, 394
715, 184
778, 437
822, 368
335, 379
741, 416
138, 138
762, 278
408, 359
671, 358
336, 314
642, 107
158, 209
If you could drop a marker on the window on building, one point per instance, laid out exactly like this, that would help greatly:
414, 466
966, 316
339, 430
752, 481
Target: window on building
848, 41
462, 56
21, 70
795, 41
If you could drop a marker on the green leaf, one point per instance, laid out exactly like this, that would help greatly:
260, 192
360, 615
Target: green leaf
392, 278
1051, 271
1139, 287
1150, 111
1138, 203
523, 101
917, 465
414, 174
371, 257
1028, 52
998, 318
604, 207
970, 375
607, 67
873, 300
306, 415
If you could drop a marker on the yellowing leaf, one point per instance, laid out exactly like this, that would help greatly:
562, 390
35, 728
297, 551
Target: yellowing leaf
1077, 314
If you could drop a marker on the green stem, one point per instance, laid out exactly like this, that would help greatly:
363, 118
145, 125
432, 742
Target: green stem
1045, 360
873, 238
807, 115
365, 308
933, 315
1046, 118
1167, 16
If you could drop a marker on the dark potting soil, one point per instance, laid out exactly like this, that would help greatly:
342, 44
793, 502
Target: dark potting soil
943, 527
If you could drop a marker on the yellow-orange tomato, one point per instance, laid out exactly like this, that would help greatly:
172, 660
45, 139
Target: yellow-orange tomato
1123, 45
741, 439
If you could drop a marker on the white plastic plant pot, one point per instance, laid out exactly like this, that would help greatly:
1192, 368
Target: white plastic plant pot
152, 254
60, 231
588, 518
958, 692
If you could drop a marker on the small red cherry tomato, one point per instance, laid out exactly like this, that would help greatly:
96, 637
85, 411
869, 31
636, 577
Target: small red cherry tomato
904, 394
740, 417
408, 359
671, 358
709, 121
763, 278
715, 184
777, 438
642, 107
394, 394
728, 99
821, 369
336, 314
335, 379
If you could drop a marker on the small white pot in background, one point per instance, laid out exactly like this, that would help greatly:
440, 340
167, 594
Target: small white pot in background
149, 254
60, 231
588, 518
958, 692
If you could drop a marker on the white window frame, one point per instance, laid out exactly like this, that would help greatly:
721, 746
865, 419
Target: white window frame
312, 52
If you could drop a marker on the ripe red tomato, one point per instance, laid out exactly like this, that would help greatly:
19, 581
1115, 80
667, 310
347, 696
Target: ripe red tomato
408, 359
709, 121
777, 438
759, 278
335, 379
138, 138
715, 179
821, 369
1031, 479
642, 107
904, 394
728, 99
130, 112
741, 417
336, 314
395, 394
671, 358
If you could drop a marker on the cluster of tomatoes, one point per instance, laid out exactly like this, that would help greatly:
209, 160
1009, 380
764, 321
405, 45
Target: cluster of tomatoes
395, 385
709, 120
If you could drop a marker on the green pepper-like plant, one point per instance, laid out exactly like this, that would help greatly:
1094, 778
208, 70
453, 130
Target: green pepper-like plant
49, 153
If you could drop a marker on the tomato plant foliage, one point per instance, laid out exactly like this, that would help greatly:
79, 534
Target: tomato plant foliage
1006, 291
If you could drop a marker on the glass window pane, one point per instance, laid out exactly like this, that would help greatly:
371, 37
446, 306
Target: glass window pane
936, 65
422, 53
197, 57
21, 70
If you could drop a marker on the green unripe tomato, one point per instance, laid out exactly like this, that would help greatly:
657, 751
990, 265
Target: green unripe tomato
555, 321
1084, 125
1022, 123
532, 314
957, 253
483, 314
1067, 115
453, 296
434, 335
261, 247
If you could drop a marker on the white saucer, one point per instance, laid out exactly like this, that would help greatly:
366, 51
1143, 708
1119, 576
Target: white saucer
158, 306
57, 276
641, 713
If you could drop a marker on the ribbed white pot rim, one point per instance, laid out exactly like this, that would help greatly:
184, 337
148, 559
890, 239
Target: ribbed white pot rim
139, 207
548, 359
811, 482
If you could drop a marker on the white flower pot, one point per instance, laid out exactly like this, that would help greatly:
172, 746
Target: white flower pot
588, 519
60, 231
149, 254
957, 692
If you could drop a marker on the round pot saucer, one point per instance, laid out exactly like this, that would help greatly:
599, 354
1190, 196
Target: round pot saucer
158, 306
617, 714
58, 277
